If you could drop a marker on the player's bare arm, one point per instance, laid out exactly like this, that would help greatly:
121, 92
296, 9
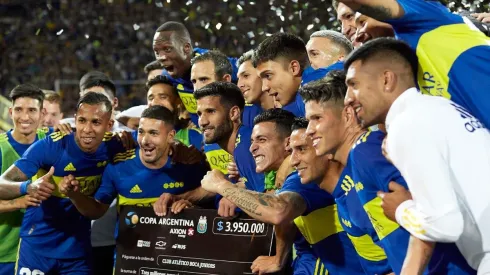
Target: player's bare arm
418, 256
269, 208
167, 200
381, 10
12, 181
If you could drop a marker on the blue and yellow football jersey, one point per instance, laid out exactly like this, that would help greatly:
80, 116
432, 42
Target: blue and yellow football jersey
56, 227
453, 57
320, 225
371, 172
245, 161
372, 257
135, 184
186, 89
297, 107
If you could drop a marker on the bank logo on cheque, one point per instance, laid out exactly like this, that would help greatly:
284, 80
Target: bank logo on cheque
202, 226
131, 219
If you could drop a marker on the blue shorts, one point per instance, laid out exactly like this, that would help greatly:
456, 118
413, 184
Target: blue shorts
308, 264
7, 268
31, 263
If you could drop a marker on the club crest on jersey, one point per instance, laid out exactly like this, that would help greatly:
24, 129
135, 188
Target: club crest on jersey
202, 226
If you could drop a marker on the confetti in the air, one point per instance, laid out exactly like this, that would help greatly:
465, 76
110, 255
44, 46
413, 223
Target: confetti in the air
59, 32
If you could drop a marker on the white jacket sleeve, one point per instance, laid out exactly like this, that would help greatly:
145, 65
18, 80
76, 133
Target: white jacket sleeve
419, 151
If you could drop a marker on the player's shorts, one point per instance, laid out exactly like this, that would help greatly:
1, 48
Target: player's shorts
7, 268
30, 262
308, 264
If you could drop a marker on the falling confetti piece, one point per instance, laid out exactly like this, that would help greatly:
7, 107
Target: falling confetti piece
59, 32
38, 31
218, 26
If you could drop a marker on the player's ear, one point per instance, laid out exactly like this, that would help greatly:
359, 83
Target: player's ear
10, 112
295, 68
110, 124
235, 113
227, 78
349, 116
287, 145
171, 136
187, 49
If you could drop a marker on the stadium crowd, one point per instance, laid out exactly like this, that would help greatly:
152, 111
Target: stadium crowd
366, 148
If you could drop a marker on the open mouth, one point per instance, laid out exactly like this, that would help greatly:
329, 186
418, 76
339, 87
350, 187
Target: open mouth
87, 139
148, 151
301, 170
169, 68
25, 125
258, 159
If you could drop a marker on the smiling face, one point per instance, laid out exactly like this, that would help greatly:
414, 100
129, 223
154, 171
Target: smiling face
325, 126
163, 95
268, 147
53, 113
214, 119
154, 139
365, 94
249, 82
280, 80
91, 122
26, 113
310, 167
346, 16
174, 55
368, 28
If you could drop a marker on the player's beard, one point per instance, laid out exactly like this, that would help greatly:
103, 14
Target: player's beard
221, 132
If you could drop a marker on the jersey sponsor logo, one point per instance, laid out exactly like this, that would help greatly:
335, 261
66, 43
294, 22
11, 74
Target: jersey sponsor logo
348, 185
188, 100
70, 167
173, 185
135, 189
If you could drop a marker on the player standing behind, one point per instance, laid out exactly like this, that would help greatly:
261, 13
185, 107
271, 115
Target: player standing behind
335, 130
55, 237
52, 104
153, 69
449, 202
453, 56
173, 49
139, 176
27, 114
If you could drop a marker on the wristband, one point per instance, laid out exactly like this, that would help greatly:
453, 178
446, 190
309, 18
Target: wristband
23, 187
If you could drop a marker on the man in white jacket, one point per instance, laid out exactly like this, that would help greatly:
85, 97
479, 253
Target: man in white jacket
442, 151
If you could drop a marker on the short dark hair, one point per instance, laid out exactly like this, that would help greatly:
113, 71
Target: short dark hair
92, 98
299, 123
159, 79
27, 90
281, 45
330, 88
388, 48
179, 30
282, 118
244, 58
97, 78
229, 93
222, 65
154, 65
160, 113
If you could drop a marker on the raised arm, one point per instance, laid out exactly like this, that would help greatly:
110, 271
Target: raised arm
270, 208
381, 10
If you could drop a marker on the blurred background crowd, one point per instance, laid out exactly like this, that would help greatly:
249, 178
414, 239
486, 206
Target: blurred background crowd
45, 41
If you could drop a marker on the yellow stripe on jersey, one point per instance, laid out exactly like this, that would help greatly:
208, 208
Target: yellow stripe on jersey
144, 202
88, 184
380, 222
435, 63
56, 136
130, 154
18, 254
367, 249
317, 266
108, 136
319, 224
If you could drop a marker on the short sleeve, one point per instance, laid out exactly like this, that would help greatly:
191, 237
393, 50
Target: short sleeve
40, 155
314, 197
422, 16
107, 191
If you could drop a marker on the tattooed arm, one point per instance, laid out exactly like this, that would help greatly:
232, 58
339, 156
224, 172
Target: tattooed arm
418, 256
10, 182
270, 208
381, 10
